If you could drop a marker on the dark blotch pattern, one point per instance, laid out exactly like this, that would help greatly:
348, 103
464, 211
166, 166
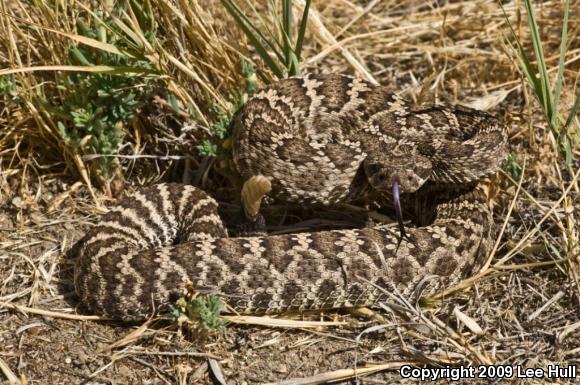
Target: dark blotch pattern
308, 135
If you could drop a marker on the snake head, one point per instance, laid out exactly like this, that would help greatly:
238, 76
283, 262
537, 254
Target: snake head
398, 175
409, 173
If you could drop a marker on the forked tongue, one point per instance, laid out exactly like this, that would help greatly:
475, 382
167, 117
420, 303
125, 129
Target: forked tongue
398, 211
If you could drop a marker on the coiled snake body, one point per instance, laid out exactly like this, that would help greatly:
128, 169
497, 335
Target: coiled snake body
317, 139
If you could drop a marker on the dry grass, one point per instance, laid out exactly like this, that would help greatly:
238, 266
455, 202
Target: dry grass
521, 309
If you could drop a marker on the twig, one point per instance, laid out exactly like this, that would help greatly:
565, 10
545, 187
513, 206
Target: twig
53, 314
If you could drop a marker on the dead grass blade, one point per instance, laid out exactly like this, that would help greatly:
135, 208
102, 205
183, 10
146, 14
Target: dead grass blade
327, 38
516, 249
340, 375
133, 336
9, 374
279, 322
53, 314
506, 220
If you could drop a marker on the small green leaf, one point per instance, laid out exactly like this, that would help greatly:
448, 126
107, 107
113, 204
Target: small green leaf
207, 148
173, 103
513, 168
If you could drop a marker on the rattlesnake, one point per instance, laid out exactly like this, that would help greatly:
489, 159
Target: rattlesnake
317, 140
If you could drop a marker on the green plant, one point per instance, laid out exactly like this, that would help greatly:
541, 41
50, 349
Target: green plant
92, 113
513, 168
250, 79
93, 108
7, 88
204, 311
537, 76
279, 39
